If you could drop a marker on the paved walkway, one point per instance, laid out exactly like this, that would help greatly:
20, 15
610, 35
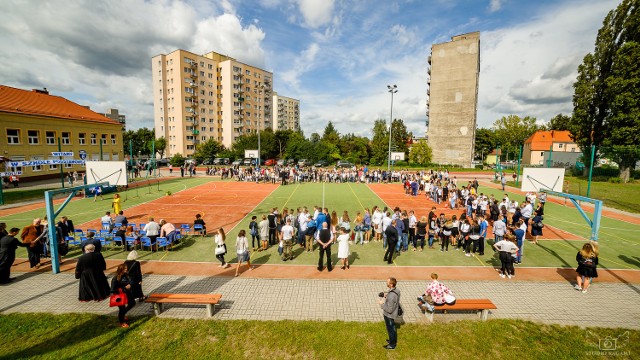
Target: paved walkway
605, 305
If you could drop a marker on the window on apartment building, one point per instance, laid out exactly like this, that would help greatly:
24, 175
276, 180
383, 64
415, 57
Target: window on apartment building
53, 167
247, 89
114, 139
236, 69
82, 138
541, 153
190, 147
210, 67
247, 72
104, 139
13, 136
94, 139
189, 138
201, 73
211, 129
573, 149
66, 138
203, 128
34, 137
210, 75
247, 81
560, 146
50, 137
203, 138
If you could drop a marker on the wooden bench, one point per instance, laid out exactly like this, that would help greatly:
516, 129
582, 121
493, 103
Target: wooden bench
482, 306
210, 300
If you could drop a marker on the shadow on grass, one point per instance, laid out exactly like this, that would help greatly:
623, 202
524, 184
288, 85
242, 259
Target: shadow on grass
635, 261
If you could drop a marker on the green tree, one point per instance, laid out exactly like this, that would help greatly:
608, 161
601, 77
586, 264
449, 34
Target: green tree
330, 134
315, 137
399, 137
354, 148
160, 146
380, 143
139, 141
559, 122
486, 141
177, 160
207, 150
421, 153
603, 100
512, 131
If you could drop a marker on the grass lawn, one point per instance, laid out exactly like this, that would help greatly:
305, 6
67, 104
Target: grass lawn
618, 239
96, 337
20, 195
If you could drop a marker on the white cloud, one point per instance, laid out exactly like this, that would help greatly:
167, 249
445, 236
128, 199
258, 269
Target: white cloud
303, 63
495, 5
316, 13
528, 69
99, 53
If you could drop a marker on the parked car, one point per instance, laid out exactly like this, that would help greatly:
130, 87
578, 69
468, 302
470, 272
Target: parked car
162, 162
291, 162
237, 162
270, 162
321, 163
304, 162
248, 162
208, 162
344, 164
281, 162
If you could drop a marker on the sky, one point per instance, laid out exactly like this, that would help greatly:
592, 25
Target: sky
336, 56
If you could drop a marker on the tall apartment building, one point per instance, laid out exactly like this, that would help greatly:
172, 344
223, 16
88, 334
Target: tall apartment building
286, 113
210, 96
452, 99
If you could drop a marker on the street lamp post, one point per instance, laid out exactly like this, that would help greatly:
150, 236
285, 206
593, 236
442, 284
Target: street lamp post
392, 89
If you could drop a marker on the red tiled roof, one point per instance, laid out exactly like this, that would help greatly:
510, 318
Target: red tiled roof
20, 101
542, 140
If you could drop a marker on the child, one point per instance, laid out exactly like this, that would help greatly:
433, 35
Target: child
242, 250
587, 260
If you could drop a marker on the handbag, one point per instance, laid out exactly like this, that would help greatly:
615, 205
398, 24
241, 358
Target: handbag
220, 250
449, 299
119, 299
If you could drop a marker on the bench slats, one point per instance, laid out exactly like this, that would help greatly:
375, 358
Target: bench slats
482, 306
210, 300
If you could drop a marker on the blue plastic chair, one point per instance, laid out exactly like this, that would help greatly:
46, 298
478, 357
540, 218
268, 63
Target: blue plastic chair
145, 242
162, 242
78, 233
131, 241
72, 241
198, 228
186, 228
106, 226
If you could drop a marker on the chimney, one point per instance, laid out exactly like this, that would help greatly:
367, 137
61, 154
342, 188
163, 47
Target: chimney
43, 91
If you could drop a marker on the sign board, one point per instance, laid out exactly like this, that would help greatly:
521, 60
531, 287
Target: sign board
11, 173
45, 162
535, 179
251, 154
82, 154
62, 153
397, 156
113, 172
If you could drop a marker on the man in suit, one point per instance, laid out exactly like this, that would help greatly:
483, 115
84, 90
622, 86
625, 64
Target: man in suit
272, 227
324, 240
392, 240
66, 226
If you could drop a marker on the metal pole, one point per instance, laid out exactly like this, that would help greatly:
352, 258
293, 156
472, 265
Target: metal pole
392, 89
100, 149
258, 164
498, 159
61, 171
593, 155
550, 160
131, 157
519, 159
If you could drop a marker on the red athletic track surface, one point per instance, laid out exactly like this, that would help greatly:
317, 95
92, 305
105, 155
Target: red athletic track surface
393, 195
222, 204
355, 273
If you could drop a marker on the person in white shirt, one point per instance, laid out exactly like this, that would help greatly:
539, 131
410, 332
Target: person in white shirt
506, 248
152, 230
302, 226
499, 229
107, 223
287, 239
527, 211
386, 221
376, 220
413, 222
242, 250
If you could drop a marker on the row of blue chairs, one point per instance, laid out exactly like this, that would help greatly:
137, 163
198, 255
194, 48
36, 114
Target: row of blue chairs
161, 242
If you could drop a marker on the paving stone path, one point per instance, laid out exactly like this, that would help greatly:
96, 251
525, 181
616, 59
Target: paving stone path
605, 305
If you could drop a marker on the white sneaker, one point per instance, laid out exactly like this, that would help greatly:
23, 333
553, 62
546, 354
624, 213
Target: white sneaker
584, 291
509, 276
577, 287
501, 275
467, 254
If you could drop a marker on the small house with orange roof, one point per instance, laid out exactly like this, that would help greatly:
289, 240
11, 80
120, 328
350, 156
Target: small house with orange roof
35, 124
538, 146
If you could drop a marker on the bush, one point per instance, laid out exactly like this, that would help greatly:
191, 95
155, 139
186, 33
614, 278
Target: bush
615, 180
479, 167
600, 178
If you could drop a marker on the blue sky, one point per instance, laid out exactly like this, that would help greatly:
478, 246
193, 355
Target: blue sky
337, 57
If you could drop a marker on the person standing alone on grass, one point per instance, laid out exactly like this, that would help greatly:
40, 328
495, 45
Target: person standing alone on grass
587, 259
324, 240
272, 227
390, 304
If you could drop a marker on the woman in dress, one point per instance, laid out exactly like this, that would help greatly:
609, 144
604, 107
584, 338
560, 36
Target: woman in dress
366, 227
134, 270
116, 204
122, 283
335, 224
242, 250
536, 228
219, 238
90, 270
343, 248
345, 221
421, 228
587, 259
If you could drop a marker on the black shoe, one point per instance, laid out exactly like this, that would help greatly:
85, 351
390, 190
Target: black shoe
389, 347
329, 269
320, 269
389, 262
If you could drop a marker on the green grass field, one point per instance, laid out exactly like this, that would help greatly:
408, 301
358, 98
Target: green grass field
619, 240
75, 336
